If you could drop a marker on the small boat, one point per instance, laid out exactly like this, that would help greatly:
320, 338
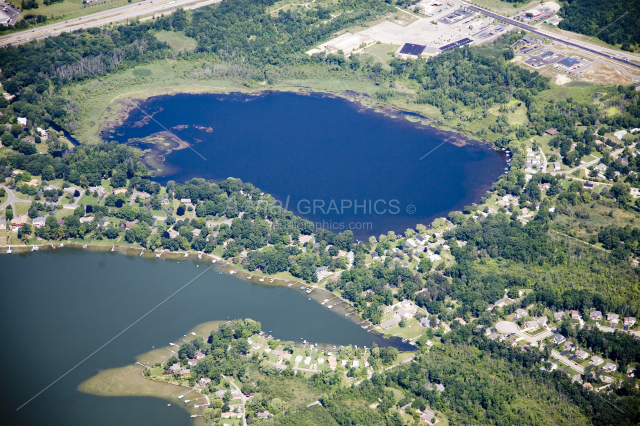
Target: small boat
286, 281
199, 255
309, 298
272, 279
346, 315
330, 306
220, 273
193, 333
302, 287
262, 279
142, 252
172, 344
249, 277
113, 248
168, 405
233, 272
9, 249
186, 255
186, 401
158, 255
194, 415
214, 261
62, 245
308, 291
84, 246
289, 285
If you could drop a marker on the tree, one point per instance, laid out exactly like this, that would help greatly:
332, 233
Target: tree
24, 232
33, 210
621, 192
425, 265
48, 173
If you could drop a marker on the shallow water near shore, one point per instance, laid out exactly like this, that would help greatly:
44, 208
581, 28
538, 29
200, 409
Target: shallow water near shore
59, 306
326, 159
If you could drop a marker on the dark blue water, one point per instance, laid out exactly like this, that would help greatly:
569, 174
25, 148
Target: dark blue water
57, 307
324, 158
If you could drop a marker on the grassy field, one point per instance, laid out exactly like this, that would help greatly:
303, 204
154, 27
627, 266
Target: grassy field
381, 52
503, 7
20, 208
177, 40
71, 9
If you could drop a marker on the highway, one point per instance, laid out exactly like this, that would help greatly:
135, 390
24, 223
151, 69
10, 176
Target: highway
598, 50
132, 11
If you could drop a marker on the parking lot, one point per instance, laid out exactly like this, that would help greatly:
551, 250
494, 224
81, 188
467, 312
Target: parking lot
450, 25
545, 58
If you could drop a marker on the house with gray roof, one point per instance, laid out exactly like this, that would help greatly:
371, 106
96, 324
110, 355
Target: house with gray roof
558, 338
596, 360
582, 354
39, 221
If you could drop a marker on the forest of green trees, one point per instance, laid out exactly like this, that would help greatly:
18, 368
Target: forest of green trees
613, 21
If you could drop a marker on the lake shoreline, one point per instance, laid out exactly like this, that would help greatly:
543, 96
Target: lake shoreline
352, 313
122, 105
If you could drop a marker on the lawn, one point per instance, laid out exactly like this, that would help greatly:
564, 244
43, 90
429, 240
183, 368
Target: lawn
61, 213
20, 195
20, 208
381, 52
158, 212
503, 7
88, 200
177, 40
413, 330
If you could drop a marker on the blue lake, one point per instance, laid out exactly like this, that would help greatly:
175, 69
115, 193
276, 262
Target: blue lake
327, 159
59, 306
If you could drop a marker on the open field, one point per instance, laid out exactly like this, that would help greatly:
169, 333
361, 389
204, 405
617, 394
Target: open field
381, 52
504, 8
71, 9
177, 40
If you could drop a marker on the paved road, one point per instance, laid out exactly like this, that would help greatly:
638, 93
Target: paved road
567, 361
510, 327
11, 198
598, 50
589, 164
243, 398
132, 11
